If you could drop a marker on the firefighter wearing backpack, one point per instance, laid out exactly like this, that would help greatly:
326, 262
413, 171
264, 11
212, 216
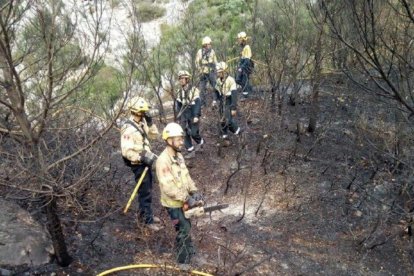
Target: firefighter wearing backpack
206, 64
245, 66
226, 99
188, 110
137, 154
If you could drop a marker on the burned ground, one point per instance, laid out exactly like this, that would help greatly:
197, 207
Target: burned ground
325, 205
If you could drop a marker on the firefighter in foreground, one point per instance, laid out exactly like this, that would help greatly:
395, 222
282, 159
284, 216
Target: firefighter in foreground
226, 99
188, 110
245, 66
137, 154
178, 190
206, 64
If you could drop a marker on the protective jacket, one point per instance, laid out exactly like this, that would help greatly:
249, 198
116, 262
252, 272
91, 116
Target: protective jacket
206, 60
245, 62
135, 139
226, 89
188, 98
174, 179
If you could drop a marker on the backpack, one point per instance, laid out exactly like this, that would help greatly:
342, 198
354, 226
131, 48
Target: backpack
250, 68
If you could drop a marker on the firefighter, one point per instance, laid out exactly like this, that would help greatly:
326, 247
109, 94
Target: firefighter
245, 66
206, 64
178, 190
188, 110
137, 154
226, 99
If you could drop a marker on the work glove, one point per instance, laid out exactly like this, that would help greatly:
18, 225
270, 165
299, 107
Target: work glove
195, 120
191, 202
197, 196
148, 119
148, 158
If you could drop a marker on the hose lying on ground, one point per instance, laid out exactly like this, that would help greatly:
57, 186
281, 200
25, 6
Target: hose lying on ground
137, 266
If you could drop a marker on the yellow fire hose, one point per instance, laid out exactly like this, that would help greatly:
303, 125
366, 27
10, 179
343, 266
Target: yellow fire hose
230, 60
256, 61
260, 63
135, 266
134, 193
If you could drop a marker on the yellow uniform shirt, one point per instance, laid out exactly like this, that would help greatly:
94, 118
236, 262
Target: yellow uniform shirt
226, 87
187, 97
246, 52
174, 179
133, 142
205, 63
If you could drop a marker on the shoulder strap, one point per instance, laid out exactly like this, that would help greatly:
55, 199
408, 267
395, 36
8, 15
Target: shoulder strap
138, 129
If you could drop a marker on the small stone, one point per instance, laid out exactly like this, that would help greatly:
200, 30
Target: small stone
5, 272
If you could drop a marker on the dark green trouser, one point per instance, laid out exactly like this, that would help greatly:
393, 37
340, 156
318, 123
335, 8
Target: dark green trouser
183, 246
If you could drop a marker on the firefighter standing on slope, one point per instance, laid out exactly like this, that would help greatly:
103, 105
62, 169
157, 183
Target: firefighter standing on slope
178, 190
188, 110
206, 64
226, 98
245, 66
137, 154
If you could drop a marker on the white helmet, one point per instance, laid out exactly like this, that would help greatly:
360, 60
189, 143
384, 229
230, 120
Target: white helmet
184, 73
206, 40
242, 35
172, 130
221, 66
138, 104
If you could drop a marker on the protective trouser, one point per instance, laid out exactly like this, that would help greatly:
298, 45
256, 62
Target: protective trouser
144, 193
191, 129
204, 79
226, 119
243, 79
183, 245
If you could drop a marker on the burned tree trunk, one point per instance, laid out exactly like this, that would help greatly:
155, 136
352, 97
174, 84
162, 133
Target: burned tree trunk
54, 227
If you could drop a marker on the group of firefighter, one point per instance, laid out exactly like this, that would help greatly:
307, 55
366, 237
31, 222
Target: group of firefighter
178, 191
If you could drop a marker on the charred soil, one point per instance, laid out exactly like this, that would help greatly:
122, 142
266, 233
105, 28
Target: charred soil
300, 203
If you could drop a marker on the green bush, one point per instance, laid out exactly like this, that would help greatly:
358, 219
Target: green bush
148, 12
103, 90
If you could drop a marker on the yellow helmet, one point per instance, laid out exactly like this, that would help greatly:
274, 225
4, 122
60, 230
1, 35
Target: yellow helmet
242, 35
138, 104
172, 130
221, 66
184, 74
206, 40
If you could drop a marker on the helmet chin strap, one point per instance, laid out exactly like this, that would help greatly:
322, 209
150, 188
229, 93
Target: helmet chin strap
176, 149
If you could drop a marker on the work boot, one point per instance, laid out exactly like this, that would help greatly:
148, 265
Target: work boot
237, 132
153, 227
199, 146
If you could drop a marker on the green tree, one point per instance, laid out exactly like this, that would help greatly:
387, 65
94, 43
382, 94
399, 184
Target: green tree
47, 55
